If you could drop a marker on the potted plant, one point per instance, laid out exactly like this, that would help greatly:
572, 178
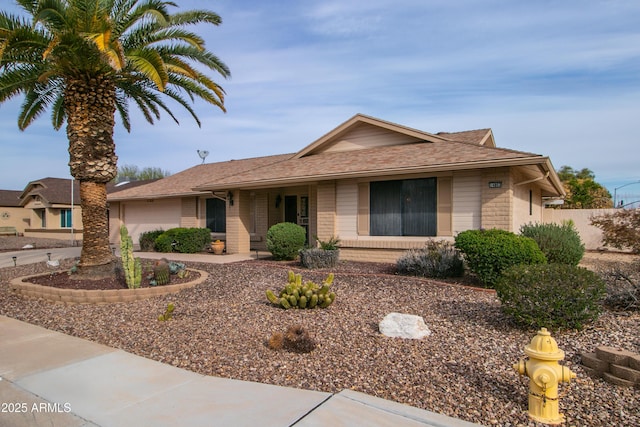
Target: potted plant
324, 256
217, 247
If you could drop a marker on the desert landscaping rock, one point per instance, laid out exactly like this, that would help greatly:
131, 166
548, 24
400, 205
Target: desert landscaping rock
464, 369
400, 325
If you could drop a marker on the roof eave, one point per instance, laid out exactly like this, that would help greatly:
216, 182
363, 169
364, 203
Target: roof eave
117, 198
371, 173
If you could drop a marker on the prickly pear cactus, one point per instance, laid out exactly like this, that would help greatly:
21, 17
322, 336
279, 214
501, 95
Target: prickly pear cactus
297, 294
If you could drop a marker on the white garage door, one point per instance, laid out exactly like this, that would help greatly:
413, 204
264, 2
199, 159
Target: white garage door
147, 216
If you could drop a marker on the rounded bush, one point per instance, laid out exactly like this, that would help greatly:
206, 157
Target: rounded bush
489, 252
552, 296
436, 260
183, 240
560, 243
147, 240
285, 239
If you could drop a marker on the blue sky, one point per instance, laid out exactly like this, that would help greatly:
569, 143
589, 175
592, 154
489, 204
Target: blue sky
561, 79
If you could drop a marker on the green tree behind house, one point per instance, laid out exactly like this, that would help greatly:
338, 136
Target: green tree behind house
134, 173
583, 192
86, 59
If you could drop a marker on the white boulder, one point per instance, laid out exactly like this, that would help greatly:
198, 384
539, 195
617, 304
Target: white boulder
399, 325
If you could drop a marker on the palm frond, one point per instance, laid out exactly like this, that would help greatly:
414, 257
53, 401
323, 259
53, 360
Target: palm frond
58, 113
36, 101
193, 17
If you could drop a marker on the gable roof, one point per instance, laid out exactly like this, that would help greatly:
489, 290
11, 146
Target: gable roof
367, 147
478, 136
380, 161
183, 183
10, 198
357, 122
51, 191
362, 146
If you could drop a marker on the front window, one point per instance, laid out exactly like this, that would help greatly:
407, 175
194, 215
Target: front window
66, 218
403, 207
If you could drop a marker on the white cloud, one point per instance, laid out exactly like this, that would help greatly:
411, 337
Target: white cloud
556, 78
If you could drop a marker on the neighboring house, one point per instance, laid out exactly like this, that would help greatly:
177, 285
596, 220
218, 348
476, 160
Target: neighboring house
52, 208
11, 213
382, 188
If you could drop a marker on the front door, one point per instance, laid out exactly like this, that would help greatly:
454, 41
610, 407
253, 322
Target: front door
217, 215
291, 209
292, 214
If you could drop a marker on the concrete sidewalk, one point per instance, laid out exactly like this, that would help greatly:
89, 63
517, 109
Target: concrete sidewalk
51, 379
48, 378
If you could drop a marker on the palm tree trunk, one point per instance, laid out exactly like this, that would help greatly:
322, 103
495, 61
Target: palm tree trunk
95, 236
90, 108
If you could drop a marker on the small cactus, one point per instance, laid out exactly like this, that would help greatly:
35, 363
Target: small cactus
131, 265
297, 294
177, 268
296, 339
168, 313
276, 341
161, 273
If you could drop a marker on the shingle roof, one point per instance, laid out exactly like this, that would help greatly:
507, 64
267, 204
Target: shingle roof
10, 198
379, 161
470, 136
430, 153
121, 186
51, 190
183, 183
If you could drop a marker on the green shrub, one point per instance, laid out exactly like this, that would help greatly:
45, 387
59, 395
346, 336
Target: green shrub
551, 295
183, 240
285, 239
329, 245
560, 243
437, 260
489, 252
147, 240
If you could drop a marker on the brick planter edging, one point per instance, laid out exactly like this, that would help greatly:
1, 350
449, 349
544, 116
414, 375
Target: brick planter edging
615, 365
82, 296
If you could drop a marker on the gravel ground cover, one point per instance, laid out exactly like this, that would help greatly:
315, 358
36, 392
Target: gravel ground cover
16, 243
464, 369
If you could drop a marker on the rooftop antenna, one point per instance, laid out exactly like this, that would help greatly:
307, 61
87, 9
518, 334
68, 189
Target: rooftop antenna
203, 154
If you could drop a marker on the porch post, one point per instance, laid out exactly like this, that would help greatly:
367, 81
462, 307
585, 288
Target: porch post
326, 206
238, 220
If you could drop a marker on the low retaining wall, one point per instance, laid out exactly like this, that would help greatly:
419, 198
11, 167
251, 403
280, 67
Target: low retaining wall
617, 366
81, 296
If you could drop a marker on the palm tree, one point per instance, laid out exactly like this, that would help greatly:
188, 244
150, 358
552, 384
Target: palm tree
85, 59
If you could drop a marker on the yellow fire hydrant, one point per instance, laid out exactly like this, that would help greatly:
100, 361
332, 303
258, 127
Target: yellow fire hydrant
545, 374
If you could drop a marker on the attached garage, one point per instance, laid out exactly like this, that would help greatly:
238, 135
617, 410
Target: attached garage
142, 216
